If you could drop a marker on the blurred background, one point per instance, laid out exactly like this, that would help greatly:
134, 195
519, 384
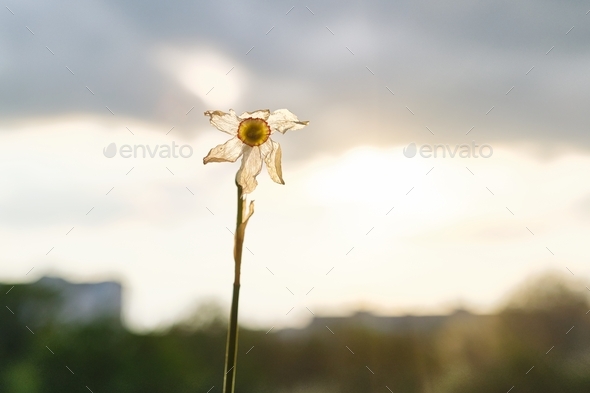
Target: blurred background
67, 336
125, 264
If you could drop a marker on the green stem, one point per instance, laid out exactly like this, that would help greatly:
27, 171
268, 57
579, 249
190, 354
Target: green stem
232, 334
232, 344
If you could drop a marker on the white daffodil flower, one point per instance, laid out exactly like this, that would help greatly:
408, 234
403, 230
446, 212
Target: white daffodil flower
251, 140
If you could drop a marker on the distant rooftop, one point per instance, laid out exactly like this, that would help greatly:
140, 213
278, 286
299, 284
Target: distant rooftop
385, 324
87, 302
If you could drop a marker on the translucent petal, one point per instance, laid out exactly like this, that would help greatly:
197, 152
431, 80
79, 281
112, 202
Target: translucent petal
271, 152
226, 122
283, 120
230, 151
259, 114
251, 167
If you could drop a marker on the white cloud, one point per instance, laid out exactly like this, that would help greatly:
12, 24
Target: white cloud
213, 77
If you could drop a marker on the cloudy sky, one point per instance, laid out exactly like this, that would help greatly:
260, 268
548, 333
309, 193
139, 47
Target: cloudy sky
358, 224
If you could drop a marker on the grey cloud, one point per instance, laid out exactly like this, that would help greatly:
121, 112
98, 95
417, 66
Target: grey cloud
450, 63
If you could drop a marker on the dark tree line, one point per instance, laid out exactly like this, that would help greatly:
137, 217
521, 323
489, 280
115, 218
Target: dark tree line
466, 354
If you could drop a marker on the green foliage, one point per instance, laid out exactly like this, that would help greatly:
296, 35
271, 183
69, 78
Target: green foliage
467, 353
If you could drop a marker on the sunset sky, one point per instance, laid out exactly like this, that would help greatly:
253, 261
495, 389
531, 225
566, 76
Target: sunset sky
357, 224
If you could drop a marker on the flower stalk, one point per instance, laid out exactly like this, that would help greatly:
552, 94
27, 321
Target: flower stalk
231, 355
250, 140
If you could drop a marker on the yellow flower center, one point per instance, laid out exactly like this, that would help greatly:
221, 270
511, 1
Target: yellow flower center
253, 132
